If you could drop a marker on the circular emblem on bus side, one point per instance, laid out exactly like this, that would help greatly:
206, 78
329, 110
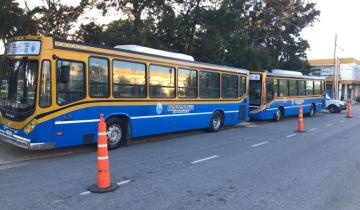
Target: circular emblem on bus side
159, 108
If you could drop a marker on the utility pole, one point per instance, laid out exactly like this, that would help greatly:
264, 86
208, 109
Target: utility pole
335, 77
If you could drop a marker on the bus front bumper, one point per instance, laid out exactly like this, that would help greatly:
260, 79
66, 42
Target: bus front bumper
25, 143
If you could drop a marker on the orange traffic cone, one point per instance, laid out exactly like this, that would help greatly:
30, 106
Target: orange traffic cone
301, 120
103, 174
349, 110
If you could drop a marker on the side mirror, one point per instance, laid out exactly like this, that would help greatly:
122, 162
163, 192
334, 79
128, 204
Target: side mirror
64, 74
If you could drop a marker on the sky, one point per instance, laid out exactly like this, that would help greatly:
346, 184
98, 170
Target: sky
337, 17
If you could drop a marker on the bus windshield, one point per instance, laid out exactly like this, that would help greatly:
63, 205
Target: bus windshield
255, 92
17, 87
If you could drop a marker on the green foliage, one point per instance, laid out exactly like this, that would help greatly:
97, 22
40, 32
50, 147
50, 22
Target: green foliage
252, 34
14, 21
57, 19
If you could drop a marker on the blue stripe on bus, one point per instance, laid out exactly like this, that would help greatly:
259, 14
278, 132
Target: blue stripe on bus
145, 120
289, 106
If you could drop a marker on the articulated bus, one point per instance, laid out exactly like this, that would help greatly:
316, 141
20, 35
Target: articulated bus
280, 93
53, 90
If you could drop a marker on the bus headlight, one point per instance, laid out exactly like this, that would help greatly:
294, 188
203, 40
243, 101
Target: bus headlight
30, 126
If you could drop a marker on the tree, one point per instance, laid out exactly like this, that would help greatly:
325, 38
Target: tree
14, 21
91, 33
256, 34
253, 34
135, 10
55, 18
276, 25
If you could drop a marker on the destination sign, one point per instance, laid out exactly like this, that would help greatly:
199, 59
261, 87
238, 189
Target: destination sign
23, 48
254, 77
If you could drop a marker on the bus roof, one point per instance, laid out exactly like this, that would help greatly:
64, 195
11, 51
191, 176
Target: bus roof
289, 74
99, 48
152, 51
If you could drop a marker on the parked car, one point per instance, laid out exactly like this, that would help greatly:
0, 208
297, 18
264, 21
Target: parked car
333, 105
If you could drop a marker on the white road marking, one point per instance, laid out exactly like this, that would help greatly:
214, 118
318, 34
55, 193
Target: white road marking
291, 135
118, 183
312, 129
204, 159
342, 121
85, 193
259, 144
123, 182
330, 124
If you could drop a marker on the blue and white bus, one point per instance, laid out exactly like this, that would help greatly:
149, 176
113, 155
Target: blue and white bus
53, 90
276, 94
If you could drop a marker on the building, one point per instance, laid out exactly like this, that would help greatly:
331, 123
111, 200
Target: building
348, 76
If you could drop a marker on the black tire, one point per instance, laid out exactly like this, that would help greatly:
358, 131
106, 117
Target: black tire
334, 109
117, 133
217, 122
312, 111
278, 115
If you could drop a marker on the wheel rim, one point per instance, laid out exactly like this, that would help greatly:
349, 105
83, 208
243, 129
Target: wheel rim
332, 109
278, 115
216, 122
114, 134
312, 111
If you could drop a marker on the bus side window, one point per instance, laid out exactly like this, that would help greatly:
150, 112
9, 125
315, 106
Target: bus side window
129, 79
293, 89
283, 88
45, 85
187, 83
73, 88
209, 84
276, 88
162, 81
301, 87
317, 88
98, 77
309, 87
242, 85
229, 86
269, 89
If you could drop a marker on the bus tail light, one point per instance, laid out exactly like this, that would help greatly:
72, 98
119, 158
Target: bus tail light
30, 126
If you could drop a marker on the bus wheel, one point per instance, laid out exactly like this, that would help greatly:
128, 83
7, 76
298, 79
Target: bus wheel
312, 111
278, 115
117, 133
217, 121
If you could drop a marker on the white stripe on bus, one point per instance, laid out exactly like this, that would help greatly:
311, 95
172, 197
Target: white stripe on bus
75, 121
177, 115
140, 117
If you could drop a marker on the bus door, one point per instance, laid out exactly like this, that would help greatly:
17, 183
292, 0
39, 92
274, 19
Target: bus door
255, 90
269, 90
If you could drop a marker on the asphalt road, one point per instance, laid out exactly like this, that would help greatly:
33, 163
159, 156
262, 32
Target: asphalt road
262, 166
